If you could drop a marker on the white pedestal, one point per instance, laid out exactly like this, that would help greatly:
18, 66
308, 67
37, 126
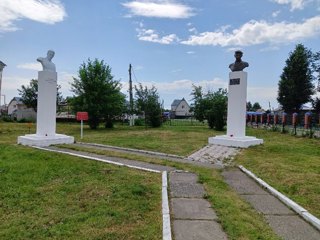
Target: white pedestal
46, 114
241, 142
47, 103
236, 120
44, 141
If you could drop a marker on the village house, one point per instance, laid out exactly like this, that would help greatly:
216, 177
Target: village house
17, 110
180, 109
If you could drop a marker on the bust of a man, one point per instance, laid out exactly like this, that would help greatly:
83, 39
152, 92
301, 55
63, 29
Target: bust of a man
46, 62
238, 65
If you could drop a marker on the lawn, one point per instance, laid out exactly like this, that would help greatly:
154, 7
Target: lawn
52, 196
288, 163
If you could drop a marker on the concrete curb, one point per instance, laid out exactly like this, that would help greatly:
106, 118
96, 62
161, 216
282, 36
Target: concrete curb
133, 150
166, 232
287, 201
98, 159
166, 227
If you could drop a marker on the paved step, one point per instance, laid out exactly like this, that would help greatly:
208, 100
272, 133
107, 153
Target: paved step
193, 217
284, 222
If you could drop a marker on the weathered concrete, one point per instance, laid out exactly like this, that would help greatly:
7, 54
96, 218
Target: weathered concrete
193, 217
268, 204
242, 183
196, 209
292, 228
197, 230
184, 185
284, 222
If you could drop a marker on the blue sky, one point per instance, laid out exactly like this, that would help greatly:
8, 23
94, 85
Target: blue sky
171, 44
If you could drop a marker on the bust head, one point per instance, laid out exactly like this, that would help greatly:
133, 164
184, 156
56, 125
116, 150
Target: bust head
50, 54
238, 55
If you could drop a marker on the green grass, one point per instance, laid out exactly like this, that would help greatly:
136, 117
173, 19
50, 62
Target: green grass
289, 164
52, 196
237, 218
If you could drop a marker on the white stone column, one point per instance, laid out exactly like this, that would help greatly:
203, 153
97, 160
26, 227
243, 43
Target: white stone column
237, 101
236, 118
47, 97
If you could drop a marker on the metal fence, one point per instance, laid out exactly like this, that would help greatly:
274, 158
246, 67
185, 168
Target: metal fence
184, 122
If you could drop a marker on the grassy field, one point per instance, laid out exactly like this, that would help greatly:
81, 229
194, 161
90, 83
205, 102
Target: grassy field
290, 164
52, 196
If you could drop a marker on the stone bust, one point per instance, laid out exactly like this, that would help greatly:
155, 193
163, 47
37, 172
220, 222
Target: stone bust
46, 62
238, 65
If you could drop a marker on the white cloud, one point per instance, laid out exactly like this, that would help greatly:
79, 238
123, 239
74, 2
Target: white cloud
191, 52
258, 32
150, 35
276, 13
159, 9
30, 66
45, 11
295, 4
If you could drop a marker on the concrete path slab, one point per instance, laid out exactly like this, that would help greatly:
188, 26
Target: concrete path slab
196, 209
186, 190
292, 228
268, 204
197, 230
242, 183
183, 177
284, 222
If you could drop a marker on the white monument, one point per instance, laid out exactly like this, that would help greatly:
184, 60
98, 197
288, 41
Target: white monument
237, 101
46, 109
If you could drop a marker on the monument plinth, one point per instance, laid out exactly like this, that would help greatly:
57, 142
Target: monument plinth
46, 109
237, 102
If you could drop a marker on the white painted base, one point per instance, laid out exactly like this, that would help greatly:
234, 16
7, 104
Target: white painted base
241, 142
44, 141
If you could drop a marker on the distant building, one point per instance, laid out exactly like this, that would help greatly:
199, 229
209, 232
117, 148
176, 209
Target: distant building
18, 110
180, 109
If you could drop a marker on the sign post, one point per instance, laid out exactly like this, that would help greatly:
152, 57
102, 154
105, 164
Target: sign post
82, 116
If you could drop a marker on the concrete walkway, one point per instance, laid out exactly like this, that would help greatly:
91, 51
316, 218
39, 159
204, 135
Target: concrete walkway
192, 215
284, 222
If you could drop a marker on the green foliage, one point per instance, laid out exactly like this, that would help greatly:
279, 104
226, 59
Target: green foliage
316, 104
147, 101
211, 106
97, 93
29, 94
295, 85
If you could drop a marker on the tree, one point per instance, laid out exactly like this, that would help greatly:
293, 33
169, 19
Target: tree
256, 106
97, 93
249, 106
29, 94
211, 106
295, 85
147, 101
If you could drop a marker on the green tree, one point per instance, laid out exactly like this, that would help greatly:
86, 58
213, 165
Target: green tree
295, 85
211, 106
256, 106
97, 93
249, 106
147, 101
29, 94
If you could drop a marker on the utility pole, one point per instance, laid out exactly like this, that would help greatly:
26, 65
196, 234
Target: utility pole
130, 89
131, 116
2, 65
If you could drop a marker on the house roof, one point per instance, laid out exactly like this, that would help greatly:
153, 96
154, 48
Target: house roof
17, 99
176, 102
2, 64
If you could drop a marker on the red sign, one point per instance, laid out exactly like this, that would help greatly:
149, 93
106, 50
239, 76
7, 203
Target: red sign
82, 116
